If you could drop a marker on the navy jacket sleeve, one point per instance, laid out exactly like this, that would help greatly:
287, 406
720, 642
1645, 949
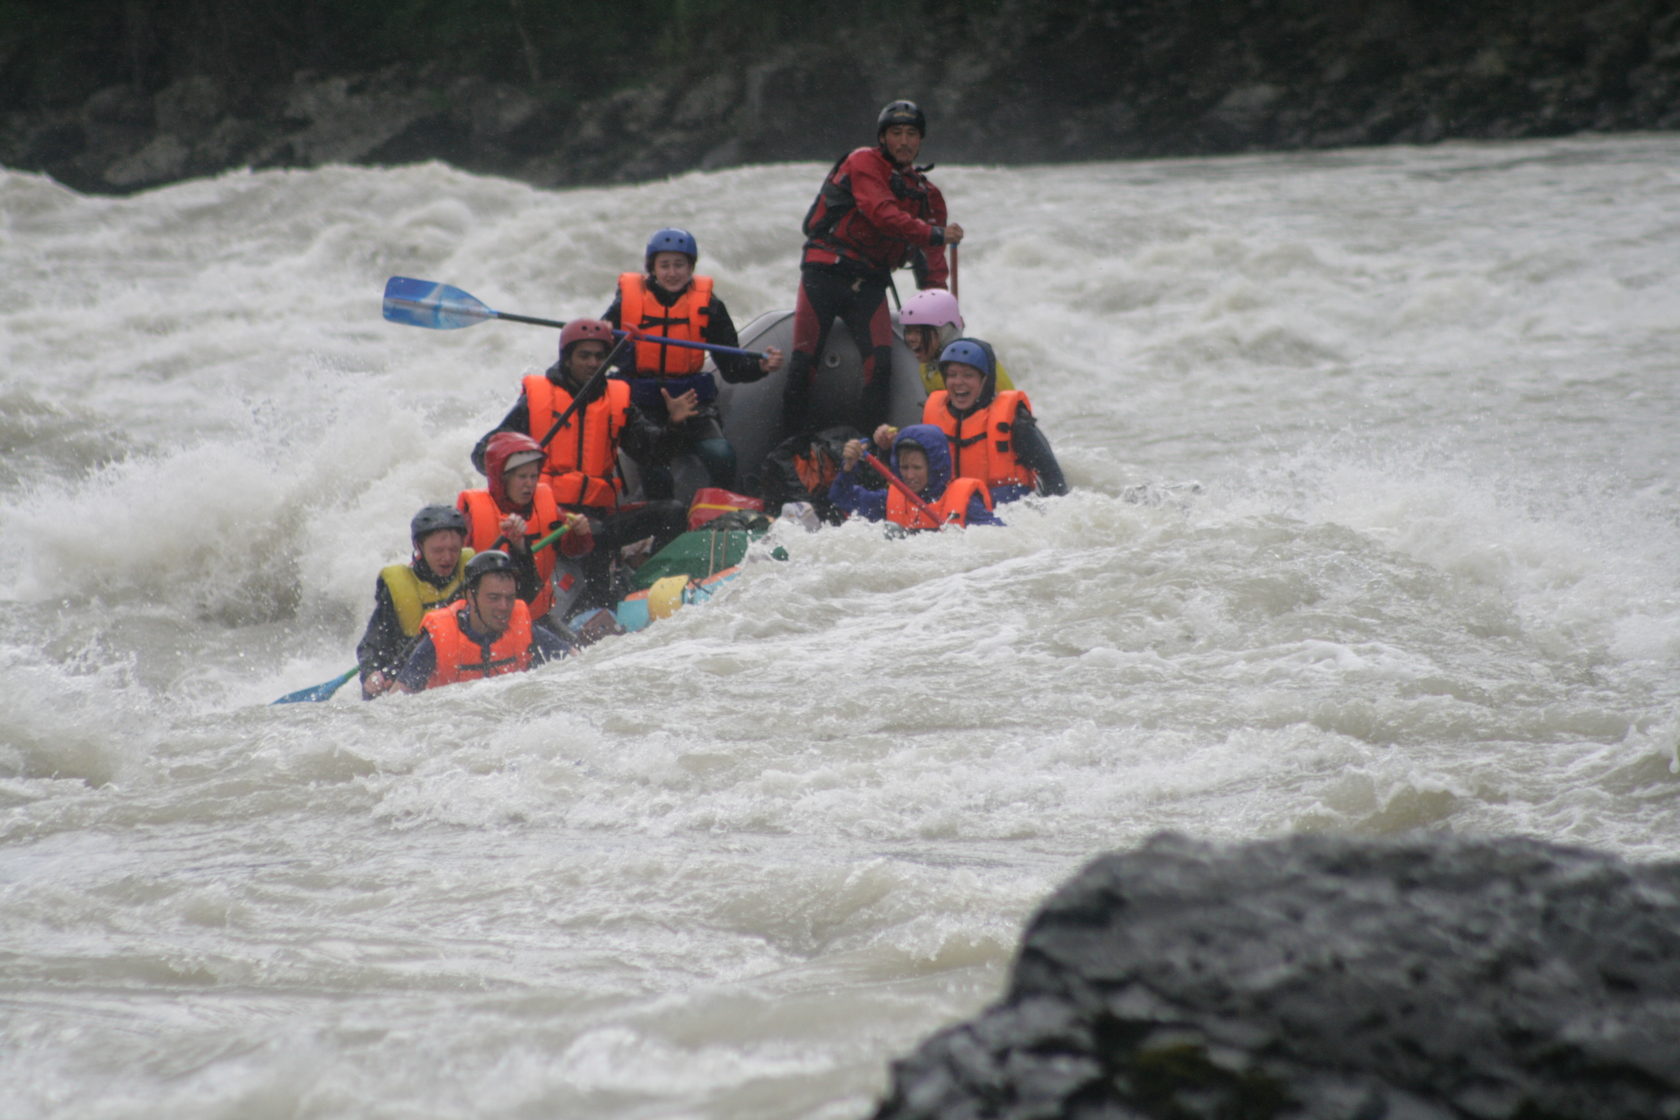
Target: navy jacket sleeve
417, 670
737, 369
845, 493
978, 514
383, 644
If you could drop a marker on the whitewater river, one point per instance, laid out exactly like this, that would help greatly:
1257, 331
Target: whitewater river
733, 865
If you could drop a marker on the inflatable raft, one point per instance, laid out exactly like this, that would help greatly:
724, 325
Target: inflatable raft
694, 566
752, 413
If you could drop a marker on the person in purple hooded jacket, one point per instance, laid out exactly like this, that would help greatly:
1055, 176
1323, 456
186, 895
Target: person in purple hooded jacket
921, 457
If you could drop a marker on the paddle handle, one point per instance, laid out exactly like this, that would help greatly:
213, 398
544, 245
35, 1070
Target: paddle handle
536, 546
512, 318
551, 538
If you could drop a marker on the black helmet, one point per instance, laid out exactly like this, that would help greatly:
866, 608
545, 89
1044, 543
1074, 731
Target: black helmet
433, 518
483, 564
901, 112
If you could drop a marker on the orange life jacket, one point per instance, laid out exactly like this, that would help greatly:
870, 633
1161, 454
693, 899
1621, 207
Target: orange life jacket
686, 319
951, 508
582, 464
980, 444
459, 658
484, 527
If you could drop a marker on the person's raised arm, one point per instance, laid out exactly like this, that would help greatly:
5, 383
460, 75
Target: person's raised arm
1032, 448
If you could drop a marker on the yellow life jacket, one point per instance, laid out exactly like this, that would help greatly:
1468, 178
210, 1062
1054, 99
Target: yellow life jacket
413, 596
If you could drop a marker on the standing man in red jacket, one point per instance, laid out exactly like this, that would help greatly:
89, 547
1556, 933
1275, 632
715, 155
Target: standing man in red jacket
876, 212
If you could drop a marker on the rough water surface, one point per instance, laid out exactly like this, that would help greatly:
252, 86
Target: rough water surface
733, 865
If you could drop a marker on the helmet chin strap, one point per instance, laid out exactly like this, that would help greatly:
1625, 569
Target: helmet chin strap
424, 570
475, 614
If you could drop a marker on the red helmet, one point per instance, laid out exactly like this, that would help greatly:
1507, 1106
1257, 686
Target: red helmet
502, 453
585, 330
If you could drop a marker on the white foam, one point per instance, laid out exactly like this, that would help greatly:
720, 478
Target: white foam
1425, 581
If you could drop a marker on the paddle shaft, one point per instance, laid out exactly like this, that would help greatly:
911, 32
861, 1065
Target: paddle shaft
714, 347
954, 249
904, 488
538, 546
512, 318
582, 395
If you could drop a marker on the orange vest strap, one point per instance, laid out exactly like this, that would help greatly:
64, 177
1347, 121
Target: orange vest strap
981, 446
954, 505
459, 658
582, 464
686, 319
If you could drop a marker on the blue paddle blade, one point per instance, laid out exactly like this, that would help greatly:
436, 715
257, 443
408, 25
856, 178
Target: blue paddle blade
426, 303
319, 692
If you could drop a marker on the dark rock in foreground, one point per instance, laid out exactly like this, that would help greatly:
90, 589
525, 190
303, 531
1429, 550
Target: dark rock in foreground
1429, 977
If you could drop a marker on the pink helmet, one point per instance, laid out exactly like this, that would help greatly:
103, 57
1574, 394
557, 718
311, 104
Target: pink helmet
931, 307
579, 330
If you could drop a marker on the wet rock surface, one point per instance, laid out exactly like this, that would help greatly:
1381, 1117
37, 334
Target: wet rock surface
1021, 82
1318, 977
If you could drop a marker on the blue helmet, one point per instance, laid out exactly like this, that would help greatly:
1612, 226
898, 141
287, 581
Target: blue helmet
672, 241
968, 351
977, 353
